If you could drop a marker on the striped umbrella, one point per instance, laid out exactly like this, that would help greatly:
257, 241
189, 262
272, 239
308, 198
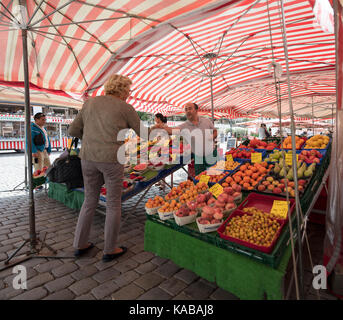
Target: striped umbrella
222, 61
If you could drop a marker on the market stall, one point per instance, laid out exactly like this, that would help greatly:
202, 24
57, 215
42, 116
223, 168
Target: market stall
243, 266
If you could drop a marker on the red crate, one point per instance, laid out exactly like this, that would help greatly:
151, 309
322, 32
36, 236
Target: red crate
263, 202
269, 249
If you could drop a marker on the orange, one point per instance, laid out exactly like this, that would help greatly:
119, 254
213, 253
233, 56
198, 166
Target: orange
246, 185
248, 173
254, 175
243, 168
246, 179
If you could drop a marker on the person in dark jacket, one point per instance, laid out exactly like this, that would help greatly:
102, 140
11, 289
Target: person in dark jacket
41, 146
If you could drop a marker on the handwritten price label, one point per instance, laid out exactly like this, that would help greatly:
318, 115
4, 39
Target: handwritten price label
204, 178
256, 157
216, 190
229, 157
280, 208
289, 159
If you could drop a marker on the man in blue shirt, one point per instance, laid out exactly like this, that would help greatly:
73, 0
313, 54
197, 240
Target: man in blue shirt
41, 147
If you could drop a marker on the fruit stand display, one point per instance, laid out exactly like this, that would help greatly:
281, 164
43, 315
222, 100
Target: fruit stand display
243, 224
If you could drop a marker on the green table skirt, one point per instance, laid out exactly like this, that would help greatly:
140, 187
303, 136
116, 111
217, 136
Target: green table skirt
240, 275
72, 199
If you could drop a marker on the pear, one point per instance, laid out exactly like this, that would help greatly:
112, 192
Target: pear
298, 165
277, 168
282, 173
312, 166
300, 173
290, 175
308, 173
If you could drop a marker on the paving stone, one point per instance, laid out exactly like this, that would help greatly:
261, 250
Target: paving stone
84, 272
6, 249
126, 278
168, 269
105, 289
221, 294
129, 292
2, 284
61, 245
146, 267
158, 261
104, 265
83, 286
186, 276
173, 286
199, 290
11, 241
48, 266
182, 296
10, 292
155, 294
3, 256
106, 275
64, 269
137, 248
86, 297
64, 294
126, 265
39, 280
34, 294
30, 273
60, 283
143, 257
149, 280
3, 238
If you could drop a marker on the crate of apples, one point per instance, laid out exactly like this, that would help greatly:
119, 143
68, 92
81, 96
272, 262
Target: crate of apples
241, 153
249, 175
259, 144
311, 156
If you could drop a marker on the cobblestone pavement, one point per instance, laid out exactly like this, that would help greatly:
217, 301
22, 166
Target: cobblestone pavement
136, 275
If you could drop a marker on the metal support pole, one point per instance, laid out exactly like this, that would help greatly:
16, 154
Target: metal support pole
312, 116
33, 238
294, 159
212, 106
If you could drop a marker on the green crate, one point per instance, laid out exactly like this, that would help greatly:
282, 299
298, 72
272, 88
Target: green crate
36, 182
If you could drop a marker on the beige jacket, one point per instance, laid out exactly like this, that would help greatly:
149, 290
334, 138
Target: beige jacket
98, 124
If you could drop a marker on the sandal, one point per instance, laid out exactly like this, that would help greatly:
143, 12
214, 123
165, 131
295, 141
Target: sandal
80, 252
110, 257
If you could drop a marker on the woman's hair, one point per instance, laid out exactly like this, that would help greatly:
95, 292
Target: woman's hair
161, 117
118, 86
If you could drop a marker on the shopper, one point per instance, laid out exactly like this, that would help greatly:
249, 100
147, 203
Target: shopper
262, 132
160, 120
194, 121
41, 146
98, 124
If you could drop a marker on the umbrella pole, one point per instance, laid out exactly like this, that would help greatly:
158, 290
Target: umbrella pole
33, 240
312, 117
33, 237
294, 159
212, 106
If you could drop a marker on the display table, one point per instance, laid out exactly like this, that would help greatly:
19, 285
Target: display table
74, 198
240, 275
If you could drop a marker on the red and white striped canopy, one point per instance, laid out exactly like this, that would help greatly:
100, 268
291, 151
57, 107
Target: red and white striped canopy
233, 46
69, 42
172, 50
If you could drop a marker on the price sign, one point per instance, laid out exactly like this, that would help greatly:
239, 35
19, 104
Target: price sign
256, 157
204, 178
229, 157
280, 208
216, 190
289, 158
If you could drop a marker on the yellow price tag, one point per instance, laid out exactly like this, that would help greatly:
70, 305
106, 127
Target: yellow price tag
229, 157
256, 157
280, 208
204, 178
166, 143
289, 158
216, 190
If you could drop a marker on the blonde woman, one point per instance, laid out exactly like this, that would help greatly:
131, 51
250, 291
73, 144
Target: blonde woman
98, 124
